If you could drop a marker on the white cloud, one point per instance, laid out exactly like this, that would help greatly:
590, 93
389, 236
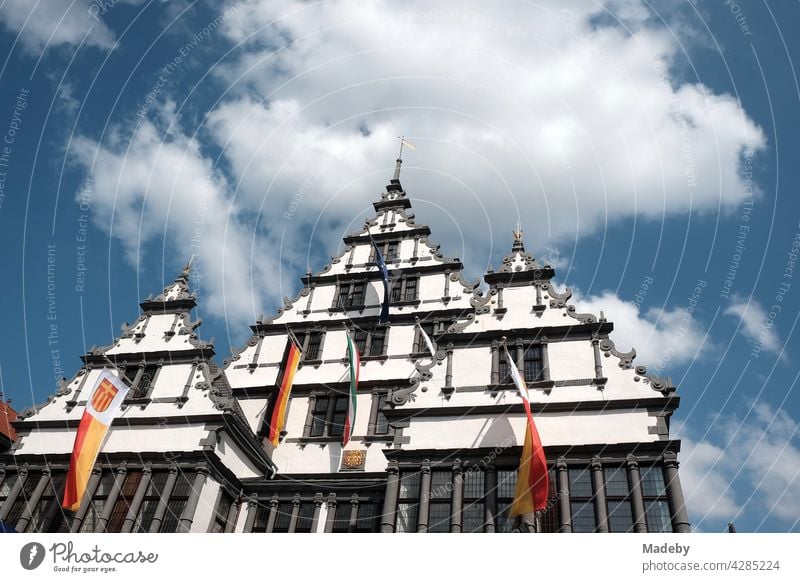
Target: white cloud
756, 325
515, 109
160, 189
662, 337
519, 111
745, 467
44, 23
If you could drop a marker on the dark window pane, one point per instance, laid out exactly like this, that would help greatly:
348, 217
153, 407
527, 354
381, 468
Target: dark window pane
533, 364
441, 484
506, 484
406, 517
305, 517
411, 289
122, 505
439, 519
472, 517
620, 518
319, 416
616, 481
366, 517
505, 371
378, 341
360, 339
396, 292
172, 519
150, 503
653, 482
409, 485
314, 343
503, 523
381, 422
283, 516
341, 518
473, 484
357, 298
583, 520
580, 482
146, 381
658, 518
392, 253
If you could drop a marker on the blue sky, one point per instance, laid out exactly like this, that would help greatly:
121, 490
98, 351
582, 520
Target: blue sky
649, 152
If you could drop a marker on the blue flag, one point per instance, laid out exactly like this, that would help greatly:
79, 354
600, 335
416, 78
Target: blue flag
385, 275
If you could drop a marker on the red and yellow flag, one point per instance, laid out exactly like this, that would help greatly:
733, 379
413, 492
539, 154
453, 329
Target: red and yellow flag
277, 419
101, 408
532, 480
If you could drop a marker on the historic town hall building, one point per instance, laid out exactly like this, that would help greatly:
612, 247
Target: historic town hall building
436, 440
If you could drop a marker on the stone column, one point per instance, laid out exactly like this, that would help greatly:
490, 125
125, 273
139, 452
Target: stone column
22, 476
295, 513
495, 363
490, 496
562, 485
252, 508
680, 519
161, 510
448, 375
520, 358
390, 498
637, 503
545, 363
312, 401
318, 500
111, 500
330, 517
187, 517
273, 512
598, 361
353, 523
233, 514
424, 497
33, 501
136, 503
458, 498
86, 500
600, 510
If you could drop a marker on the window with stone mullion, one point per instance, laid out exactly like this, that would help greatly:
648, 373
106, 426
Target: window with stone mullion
506, 486
581, 498
407, 516
328, 415
656, 504
620, 513
472, 513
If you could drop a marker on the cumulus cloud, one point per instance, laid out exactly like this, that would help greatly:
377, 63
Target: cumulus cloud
566, 119
158, 187
746, 466
662, 337
755, 324
47, 23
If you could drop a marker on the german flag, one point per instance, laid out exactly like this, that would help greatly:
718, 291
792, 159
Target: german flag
277, 419
101, 408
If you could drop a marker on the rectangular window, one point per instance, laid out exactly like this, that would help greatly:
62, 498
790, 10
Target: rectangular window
122, 505
581, 499
143, 382
283, 516
367, 517
504, 375
305, 517
98, 502
392, 251
533, 364
176, 504
439, 519
378, 343
381, 421
411, 289
620, 515
429, 328
408, 505
441, 484
262, 517
506, 485
472, 514
46, 508
150, 502
351, 294
6, 486
313, 344
328, 416
221, 514
396, 292
341, 519
654, 492
360, 339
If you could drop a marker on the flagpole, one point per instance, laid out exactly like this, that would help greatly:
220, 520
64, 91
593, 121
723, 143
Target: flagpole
120, 372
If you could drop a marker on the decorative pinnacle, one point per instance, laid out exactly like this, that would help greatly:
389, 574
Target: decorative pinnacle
187, 268
518, 246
